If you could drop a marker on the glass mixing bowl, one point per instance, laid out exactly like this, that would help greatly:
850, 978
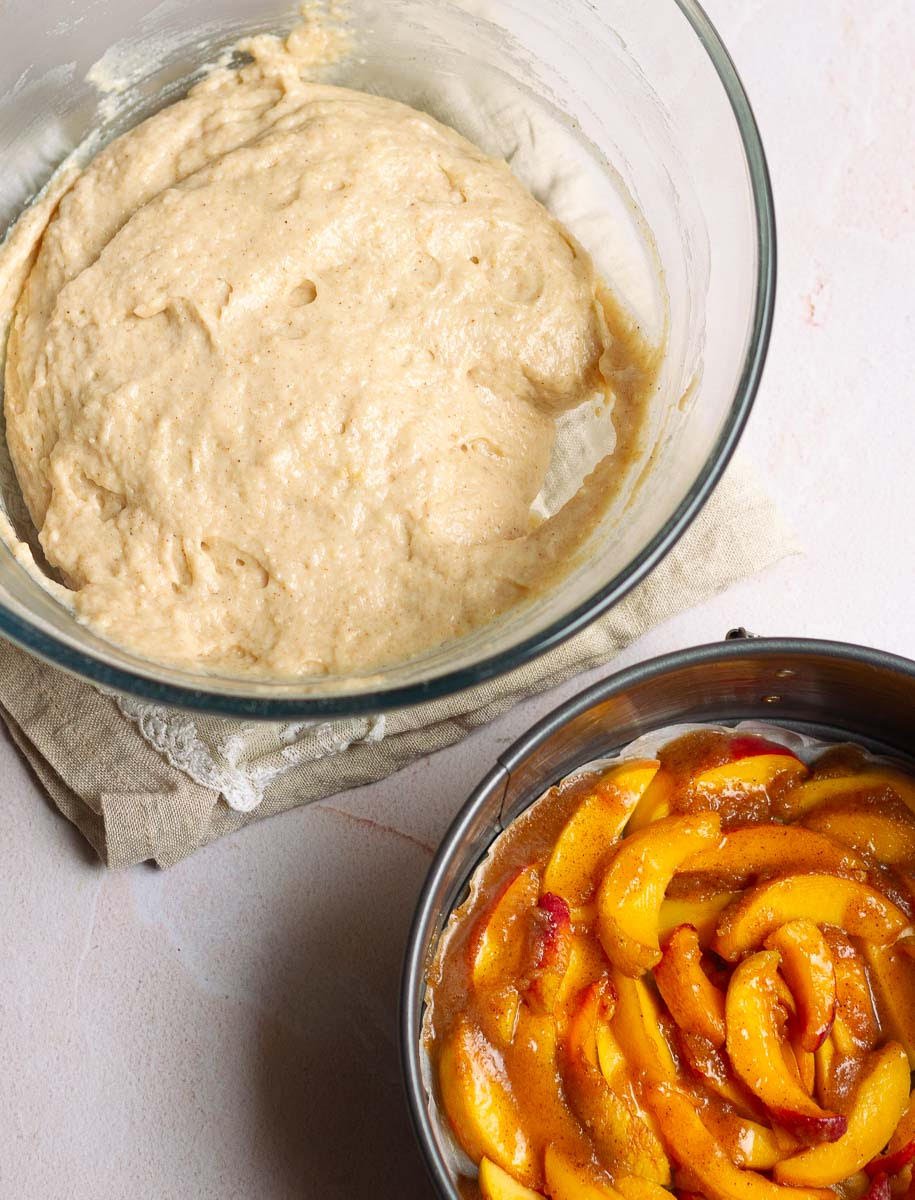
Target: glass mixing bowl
645, 102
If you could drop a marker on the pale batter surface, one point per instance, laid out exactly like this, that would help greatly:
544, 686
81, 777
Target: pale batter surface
283, 377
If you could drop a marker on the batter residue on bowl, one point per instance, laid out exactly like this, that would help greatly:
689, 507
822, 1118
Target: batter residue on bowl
283, 376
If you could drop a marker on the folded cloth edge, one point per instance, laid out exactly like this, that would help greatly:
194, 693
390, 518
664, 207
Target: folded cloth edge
144, 782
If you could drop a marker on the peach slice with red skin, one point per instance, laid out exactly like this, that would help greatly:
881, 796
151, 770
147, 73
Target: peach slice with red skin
496, 1184
549, 950
632, 890
770, 849
693, 1001
878, 1189
755, 1050
878, 1103
849, 904
809, 971
594, 827
479, 1104
893, 1162
695, 1150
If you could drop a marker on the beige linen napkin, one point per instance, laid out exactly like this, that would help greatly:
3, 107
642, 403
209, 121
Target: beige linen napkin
145, 782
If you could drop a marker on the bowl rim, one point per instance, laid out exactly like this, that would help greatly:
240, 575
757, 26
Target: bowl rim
426, 914
152, 682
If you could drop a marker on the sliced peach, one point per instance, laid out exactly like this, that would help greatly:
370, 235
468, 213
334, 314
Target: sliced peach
635, 1188
694, 1002
893, 1162
837, 1063
890, 839
702, 914
535, 1060
892, 973
806, 796
855, 1029
825, 1061
907, 945
549, 950
709, 1065
878, 1103
637, 1026
580, 1038
587, 964
584, 917
594, 827
801, 1063
826, 899
654, 804
805, 1065
615, 1070
496, 1184
770, 849
905, 1130
609, 1114
755, 1050
695, 1150
569, 1180
755, 765
878, 1189
632, 890
478, 1101
497, 944
809, 970
749, 1143
610, 1057
499, 1010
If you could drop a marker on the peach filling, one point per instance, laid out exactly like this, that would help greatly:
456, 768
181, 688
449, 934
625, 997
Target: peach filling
695, 974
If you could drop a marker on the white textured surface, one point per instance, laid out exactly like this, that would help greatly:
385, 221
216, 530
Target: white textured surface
227, 1029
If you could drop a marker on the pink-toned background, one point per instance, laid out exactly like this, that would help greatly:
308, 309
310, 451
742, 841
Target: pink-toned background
228, 1028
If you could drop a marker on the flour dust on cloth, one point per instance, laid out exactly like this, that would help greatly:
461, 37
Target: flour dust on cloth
143, 782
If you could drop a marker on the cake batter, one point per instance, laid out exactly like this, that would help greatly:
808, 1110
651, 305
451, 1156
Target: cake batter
283, 376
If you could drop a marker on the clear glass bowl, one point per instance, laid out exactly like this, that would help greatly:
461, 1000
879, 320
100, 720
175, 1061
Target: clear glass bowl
647, 100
